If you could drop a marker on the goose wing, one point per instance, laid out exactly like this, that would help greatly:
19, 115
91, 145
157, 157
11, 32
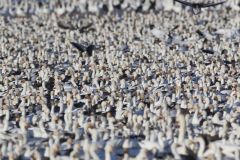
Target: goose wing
184, 2
211, 4
79, 46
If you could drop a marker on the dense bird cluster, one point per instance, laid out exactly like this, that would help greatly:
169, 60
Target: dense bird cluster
119, 79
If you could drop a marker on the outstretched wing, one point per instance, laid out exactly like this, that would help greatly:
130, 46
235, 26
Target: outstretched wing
184, 2
79, 46
211, 4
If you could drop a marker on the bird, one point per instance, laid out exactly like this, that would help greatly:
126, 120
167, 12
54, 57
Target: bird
196, 7
66, 25
84, 48
208, 51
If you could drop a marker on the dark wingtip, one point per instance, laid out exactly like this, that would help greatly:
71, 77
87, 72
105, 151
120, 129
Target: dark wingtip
208, 51
73, 43
80, 47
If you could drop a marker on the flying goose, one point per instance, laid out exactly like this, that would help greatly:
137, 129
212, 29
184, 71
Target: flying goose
196, 7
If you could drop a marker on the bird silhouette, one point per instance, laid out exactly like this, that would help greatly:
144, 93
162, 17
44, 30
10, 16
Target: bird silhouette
196, 7
84, 48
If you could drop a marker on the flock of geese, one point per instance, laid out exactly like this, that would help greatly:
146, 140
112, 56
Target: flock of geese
119, 79
23, 8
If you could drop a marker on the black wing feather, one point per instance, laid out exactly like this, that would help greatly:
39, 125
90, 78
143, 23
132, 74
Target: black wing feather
80, 47
211, 4
208, 51
184, 2
64, 25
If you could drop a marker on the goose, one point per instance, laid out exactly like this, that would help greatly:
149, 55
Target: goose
93, 149
202, 147
93, 7
60, 10
196, 7
108, 150
216, 119
4, 9
70, 7
229, 150
142, 154
179, 147
182, 128
195, 120
6, 121
180, 151
76, 150
54, 149
86, 145
39, 132
36, 155
149, 145
3, 149
21, 10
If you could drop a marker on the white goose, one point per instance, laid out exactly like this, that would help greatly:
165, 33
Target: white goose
108, 150
39, 132
4, 8
60, 10
6, 121
179, 148
142, 155
195, 120
21, 10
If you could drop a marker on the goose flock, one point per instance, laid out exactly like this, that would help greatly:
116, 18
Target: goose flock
119, 79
